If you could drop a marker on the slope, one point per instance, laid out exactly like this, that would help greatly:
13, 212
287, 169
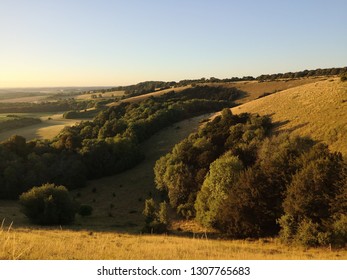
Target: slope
317, 109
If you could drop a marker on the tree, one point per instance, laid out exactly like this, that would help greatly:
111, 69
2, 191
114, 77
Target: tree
250, 208
223, 175
48, 205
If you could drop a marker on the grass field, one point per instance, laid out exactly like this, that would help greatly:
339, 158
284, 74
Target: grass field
317, 109
47, 129
45, 244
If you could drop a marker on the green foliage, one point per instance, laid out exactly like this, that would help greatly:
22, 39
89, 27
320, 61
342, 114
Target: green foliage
156, 217
339, 230
48, 205
182, 172
246, 184
307, 233
85, 210
288, 228
305, 73
222, 178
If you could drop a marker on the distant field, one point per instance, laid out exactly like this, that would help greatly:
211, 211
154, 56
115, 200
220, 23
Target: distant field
47, 129
88, 96
317, 109
29, 99
145, 96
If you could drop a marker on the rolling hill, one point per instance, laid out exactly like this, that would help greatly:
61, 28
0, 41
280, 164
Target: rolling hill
316, 109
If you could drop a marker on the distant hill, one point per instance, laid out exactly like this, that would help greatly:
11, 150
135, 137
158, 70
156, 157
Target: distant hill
317, 109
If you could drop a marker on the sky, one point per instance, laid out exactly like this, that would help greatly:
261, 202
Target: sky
114, 42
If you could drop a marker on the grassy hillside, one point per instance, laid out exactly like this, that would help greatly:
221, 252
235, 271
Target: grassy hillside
317, 109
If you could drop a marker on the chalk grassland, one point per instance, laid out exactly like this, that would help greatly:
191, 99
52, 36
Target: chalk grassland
67, 245
317, 109
256, 89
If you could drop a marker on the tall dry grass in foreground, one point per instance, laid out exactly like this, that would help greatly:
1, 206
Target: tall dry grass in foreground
42, 244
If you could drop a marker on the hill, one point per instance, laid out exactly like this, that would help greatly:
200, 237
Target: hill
316, 109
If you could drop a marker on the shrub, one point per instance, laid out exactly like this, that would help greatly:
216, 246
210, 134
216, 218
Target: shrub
288, 228
85, 210
156, 218
307, 233
339, 229
48, 205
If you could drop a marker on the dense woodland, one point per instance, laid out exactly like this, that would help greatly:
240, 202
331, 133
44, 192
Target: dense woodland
107, 145
233, 176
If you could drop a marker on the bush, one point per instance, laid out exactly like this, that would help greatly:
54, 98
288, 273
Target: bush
307, 233
156, 217
288, 228
48, 205
340, 230
343, 77
85, 210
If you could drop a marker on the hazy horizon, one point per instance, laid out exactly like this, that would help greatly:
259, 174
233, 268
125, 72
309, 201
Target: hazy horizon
114, 43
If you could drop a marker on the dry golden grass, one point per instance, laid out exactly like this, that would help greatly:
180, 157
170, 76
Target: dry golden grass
42, 244
317, 109
47, 129
255, 89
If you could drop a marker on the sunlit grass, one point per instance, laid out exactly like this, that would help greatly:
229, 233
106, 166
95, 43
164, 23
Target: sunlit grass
42, 244
318, 110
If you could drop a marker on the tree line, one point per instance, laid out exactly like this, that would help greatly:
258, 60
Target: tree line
234, 176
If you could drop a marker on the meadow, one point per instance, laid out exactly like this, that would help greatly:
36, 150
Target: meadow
50, 126
65, 244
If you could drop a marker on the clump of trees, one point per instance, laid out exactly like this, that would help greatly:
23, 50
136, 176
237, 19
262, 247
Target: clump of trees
233, 176
48, 205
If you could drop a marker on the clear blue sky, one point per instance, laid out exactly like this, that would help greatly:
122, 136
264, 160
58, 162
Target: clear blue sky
111, 42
